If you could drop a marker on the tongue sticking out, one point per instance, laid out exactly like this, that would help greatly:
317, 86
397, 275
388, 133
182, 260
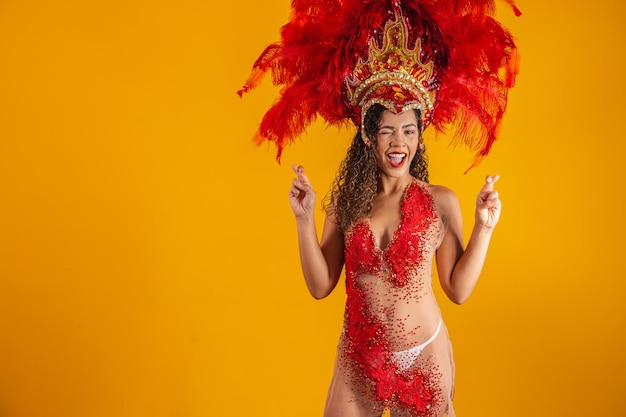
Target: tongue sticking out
396, 159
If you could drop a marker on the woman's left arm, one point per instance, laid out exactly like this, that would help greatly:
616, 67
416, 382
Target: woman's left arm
460, 268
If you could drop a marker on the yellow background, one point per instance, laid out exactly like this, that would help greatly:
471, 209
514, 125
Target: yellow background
148, 258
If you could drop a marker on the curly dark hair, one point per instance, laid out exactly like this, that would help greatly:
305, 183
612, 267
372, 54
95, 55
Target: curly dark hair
357, 180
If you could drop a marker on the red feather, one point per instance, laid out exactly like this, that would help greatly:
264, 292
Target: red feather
475, 60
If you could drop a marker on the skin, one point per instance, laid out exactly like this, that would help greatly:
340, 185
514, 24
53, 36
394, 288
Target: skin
458, 266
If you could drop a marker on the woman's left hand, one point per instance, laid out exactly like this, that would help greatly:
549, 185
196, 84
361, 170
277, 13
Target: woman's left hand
488, 205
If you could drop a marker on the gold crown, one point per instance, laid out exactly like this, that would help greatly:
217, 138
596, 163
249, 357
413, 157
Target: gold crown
393, 75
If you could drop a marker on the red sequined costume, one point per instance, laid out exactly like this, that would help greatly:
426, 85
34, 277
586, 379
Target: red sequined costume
391, 308
452, 61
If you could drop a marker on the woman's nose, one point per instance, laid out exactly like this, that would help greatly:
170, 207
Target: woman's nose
396, 139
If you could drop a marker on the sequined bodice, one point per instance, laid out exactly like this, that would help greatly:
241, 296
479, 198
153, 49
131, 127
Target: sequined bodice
390, 304
411, 246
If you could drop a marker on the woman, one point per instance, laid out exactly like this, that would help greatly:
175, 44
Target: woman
385, 222
391, 67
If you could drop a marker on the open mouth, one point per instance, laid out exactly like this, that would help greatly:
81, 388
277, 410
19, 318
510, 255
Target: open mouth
396, 159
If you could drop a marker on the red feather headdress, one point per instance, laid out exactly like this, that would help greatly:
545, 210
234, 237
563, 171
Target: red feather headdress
448, 58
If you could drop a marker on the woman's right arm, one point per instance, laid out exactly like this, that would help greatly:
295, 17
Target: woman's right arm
322, 261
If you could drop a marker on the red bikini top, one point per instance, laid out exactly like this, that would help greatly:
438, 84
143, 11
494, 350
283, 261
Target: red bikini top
405, 251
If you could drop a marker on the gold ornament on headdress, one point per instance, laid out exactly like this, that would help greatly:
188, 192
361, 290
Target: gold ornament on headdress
393, 75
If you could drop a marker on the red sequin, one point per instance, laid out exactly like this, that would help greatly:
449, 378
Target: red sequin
403, 253
367, 337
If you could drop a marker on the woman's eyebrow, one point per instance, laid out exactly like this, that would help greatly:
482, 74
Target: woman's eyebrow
402, 127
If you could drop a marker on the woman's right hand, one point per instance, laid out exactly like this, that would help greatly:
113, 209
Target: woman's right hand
301, 194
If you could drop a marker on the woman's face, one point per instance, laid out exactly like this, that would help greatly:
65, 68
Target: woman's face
397, 140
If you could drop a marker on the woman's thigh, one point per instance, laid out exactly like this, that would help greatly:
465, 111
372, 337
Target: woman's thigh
344, 399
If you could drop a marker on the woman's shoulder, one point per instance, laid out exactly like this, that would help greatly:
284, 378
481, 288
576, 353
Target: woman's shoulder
439, 192
444, 198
